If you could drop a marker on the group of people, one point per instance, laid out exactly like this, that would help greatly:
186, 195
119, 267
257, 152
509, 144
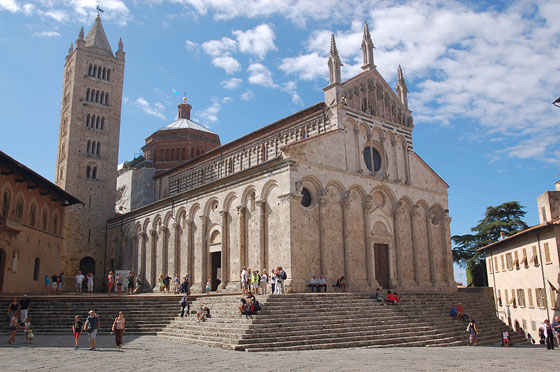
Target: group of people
54, 283
257, 283
249, 305
549, 333
91, 326
458, 312
318, 283
19, 319
390, 298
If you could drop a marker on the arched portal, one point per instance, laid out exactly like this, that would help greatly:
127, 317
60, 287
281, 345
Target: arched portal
87, 265
215, 250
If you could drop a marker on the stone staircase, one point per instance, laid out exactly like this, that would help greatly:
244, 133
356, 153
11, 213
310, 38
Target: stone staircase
323, 321
145, 315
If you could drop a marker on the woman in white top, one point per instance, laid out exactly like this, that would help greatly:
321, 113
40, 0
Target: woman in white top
90, 283
13, 327
273, 280
264, 282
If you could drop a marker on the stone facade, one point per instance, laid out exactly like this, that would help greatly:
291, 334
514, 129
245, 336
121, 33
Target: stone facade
335, 189
88, 146
524, 269
31, 220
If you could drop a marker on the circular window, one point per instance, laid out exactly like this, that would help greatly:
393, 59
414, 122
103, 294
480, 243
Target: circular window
372, 159
306, 198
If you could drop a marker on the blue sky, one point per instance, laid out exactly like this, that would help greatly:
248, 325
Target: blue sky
481, 78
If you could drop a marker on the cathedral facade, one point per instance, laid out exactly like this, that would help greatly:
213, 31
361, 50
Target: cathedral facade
335, 189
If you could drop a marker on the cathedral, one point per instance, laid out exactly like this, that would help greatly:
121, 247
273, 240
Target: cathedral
335, 189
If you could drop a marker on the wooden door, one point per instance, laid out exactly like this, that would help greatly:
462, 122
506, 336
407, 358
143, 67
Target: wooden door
381, 254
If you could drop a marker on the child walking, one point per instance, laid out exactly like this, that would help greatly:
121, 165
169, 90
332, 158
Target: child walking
208, 286
76, 329
28, 331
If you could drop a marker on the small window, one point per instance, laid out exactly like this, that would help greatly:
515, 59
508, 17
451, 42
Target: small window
88, 172
306, 198
19, 209
36, 269
44, 220
6, 202
530, 297
32, 214
55, 224
108, 74
547, 253
94, 173
372, 158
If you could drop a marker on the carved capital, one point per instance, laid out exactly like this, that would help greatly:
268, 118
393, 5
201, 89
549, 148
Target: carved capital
260, 203
223, 213
299, 187
417, 211
164, 229
322, 201
241, 209
153, 232
288, 198
368, 204
188, 222
175, 225
345, 202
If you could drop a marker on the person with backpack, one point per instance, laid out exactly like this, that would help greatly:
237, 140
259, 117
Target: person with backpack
91, 326
280, 277
473, 333
185, 304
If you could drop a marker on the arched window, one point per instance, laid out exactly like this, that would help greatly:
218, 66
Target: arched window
99, 72
44, 220
32, 214
102, 126
96, 96
94, 173
88, 147
97, 149
6, 202
90, 69
102, 99
37, 266
172, 154
55, 224
97, 120
87, 94
104, 73
108, 74
94, 70
88, 118
88, 172
19, 209
106, 99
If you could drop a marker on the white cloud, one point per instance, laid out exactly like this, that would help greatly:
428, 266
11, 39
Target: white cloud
217, 48
258, 41
247, 95
231, 84
58, 15
191, 45
290, 87
228, 63
155, 110
10, 5
306, 66
260, 75
47, 34
28, 9
210, 114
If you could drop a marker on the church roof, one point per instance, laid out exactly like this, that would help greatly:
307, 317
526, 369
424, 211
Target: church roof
96, 38
182, 123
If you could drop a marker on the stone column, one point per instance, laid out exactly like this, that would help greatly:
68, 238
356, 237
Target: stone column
448, 264
176, 249
345, 204
398, 258
261, 205
204, 250
431, 257
142, 237
152, 283
357, 146
164, 249
395, 159
322, 203
415, 259
406, 165
367, 206
242, 210
190, 249
225, 250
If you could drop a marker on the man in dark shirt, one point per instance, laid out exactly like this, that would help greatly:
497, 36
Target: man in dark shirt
166, 282
24, 307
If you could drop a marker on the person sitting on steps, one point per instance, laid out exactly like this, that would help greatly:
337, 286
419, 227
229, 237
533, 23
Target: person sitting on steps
391, 298
203, 314
313, 284
341, 283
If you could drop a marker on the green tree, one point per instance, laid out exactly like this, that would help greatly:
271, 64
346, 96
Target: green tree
507, 218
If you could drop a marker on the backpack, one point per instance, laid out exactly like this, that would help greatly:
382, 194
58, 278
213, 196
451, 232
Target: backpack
284, 276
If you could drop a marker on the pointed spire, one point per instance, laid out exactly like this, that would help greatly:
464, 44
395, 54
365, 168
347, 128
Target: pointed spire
71, 49
97, 39
81, 34
402, 90
334, 63
120, 45
367, 49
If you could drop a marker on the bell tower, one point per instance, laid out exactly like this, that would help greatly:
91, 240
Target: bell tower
88, 146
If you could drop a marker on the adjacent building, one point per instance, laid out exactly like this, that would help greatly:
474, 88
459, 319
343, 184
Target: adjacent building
524, 269
31, 220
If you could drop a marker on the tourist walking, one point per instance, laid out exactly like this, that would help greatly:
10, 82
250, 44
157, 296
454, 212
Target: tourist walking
176, 284
556, 329
92, 325
12, 308
548, 334
167, 282
27, 330
118, 329
47, 284
130, 282
24, 307
14, 325
76, 329
79, 281
110, 282
473, 333
208, 286
119, 281
264, 282
89, 283
185, 304
273, 281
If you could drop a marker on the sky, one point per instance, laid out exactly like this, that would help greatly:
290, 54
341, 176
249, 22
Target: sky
481, 75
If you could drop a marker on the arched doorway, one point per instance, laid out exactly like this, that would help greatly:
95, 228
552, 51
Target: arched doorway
216, 259
87, 265
2, 267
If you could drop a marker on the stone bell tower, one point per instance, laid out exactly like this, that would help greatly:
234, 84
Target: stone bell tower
88, 146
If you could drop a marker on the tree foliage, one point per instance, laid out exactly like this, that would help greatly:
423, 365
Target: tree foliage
506, 217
